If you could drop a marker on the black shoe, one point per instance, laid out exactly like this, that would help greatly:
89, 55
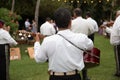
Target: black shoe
86, 78
117, 75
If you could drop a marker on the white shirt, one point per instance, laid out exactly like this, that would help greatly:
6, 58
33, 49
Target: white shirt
80, 25
47, 29
108, 29
115, 32
5, 38
27, 24
94, 24
62, 55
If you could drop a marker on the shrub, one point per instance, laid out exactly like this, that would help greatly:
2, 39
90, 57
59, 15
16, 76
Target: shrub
10, 19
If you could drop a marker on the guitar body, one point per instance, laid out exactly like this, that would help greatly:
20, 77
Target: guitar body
92, 59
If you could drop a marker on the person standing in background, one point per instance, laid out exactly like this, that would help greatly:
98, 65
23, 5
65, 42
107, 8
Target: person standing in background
54, 25
93, 23
27, 25
47, 29
81, 25
5, 42
34, 26
115, 40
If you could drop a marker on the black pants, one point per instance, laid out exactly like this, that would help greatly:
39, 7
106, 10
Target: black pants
84, 74
4, 62
91, 37
117, 58
66, 77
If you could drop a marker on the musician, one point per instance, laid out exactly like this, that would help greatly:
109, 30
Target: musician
81, 25
115, 40
65, 60
107, 29
5, 41
93, 23
47, 29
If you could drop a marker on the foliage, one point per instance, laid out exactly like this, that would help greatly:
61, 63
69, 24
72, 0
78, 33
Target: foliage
101, 9
115, 9
10, 19
25, 7
47, 7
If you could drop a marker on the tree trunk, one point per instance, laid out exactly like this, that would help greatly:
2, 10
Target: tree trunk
13, 4
37, 12
118, 2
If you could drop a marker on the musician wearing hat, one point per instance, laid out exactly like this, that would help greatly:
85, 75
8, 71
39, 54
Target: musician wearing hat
5, 42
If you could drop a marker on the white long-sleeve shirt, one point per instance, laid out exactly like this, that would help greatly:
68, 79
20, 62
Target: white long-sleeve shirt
108, 29
80, 25
62, 55
115, 32
93, 23
5, 38
27, 24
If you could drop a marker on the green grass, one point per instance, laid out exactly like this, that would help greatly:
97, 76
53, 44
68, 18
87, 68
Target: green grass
107, 66
28, 69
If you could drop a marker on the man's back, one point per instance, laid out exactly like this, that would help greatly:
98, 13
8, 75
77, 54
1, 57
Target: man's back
93, 23
62, 54
27, 24
47, 29
80, 25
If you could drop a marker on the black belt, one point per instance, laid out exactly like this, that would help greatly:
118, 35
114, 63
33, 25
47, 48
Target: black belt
3, 44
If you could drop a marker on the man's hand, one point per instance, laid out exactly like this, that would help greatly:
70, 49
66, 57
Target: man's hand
37, 37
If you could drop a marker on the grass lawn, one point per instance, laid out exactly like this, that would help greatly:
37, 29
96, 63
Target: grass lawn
28, 69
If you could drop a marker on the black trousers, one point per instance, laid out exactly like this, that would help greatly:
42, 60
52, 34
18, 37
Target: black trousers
91, 37
65, 77
4, 62
117, 58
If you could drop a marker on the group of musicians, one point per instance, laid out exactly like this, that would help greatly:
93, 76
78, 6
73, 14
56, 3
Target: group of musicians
61, 50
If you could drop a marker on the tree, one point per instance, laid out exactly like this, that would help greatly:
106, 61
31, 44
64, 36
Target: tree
37, 12
10, 19
13, 4
117, 2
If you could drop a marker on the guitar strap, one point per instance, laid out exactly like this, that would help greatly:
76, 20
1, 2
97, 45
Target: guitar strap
78, 47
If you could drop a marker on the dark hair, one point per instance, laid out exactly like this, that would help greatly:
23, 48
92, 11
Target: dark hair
62, 17
77, 11
88, 14
48, 19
